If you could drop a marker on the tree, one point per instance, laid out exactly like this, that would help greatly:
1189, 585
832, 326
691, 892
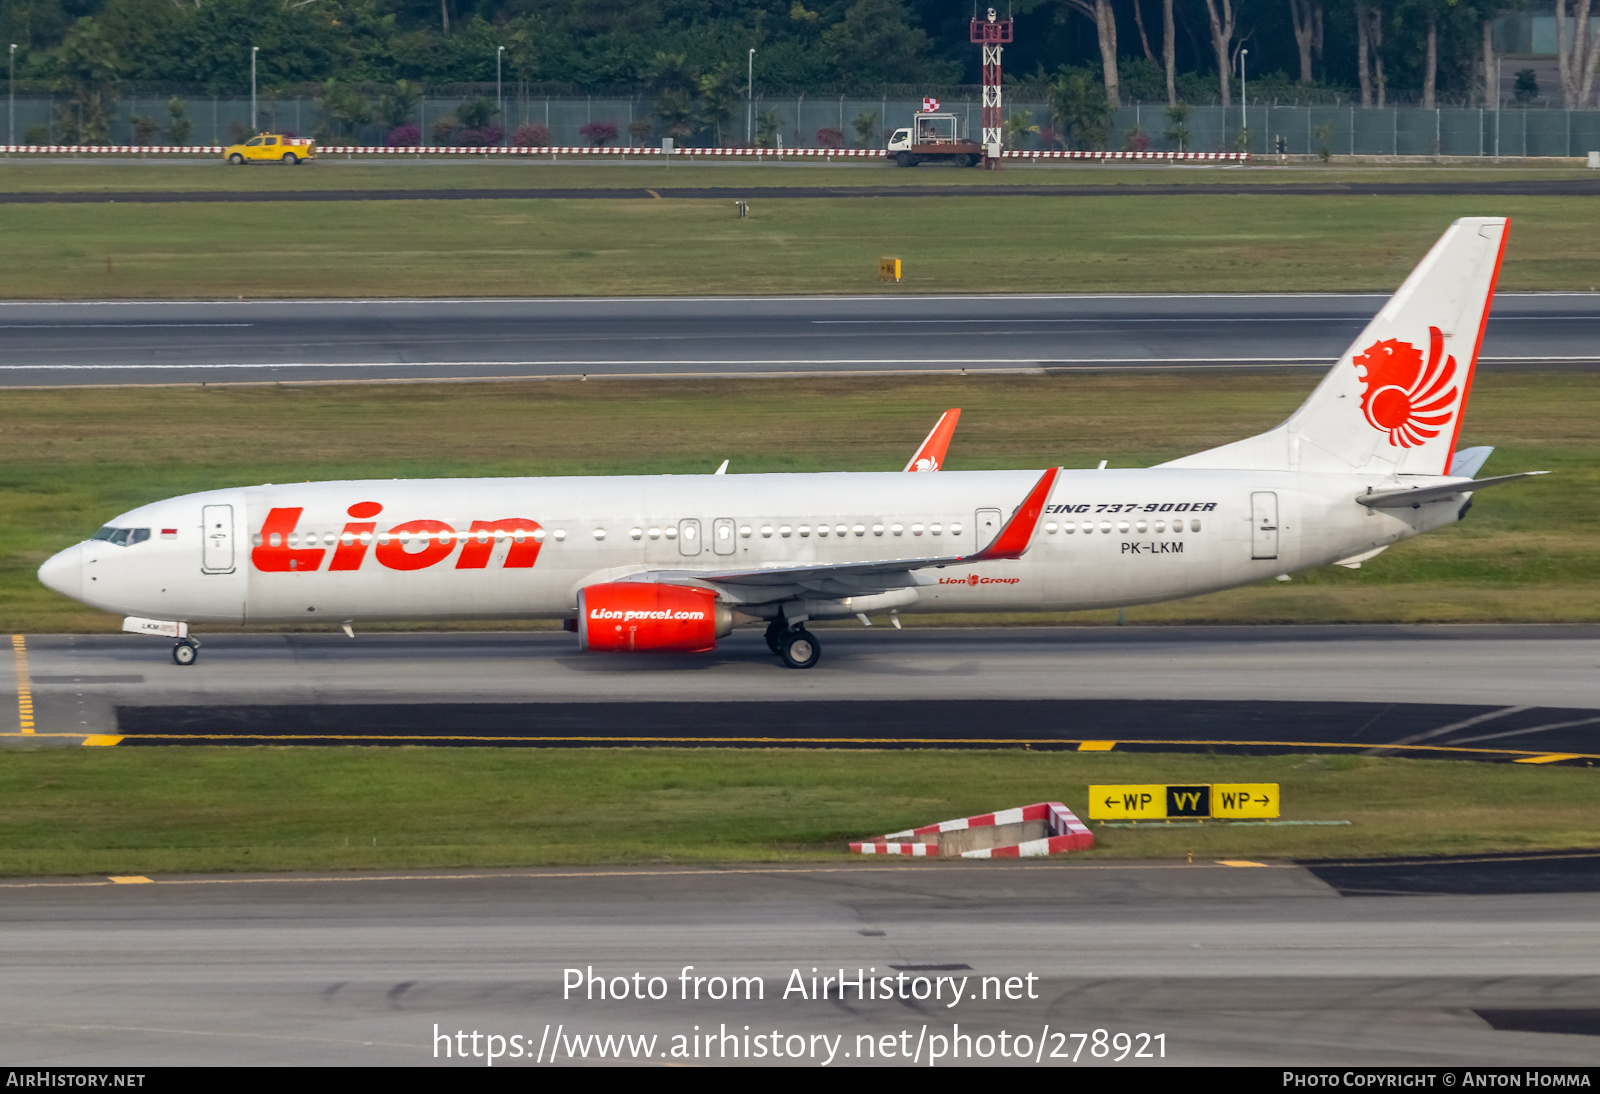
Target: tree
345, 105
1576, 53
398, 103
866, 127
676, 114
674, 83
1079, 108
1306, 16
1105, 27
1526, 87
1018, 128
178, 131
876, 42
1169, 56
769, 123
720, 92
1222, 27
477, 113
87, 65
1177, 125
1369, 50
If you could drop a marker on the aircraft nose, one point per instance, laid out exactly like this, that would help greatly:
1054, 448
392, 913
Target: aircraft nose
63, 572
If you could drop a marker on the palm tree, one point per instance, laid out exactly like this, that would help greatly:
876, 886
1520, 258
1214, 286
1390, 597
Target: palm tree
719, 97
1079, 110
769, 123
1018, 128
398, 104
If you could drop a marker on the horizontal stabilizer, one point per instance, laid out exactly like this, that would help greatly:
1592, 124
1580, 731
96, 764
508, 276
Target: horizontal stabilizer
1467, 462
1409, 499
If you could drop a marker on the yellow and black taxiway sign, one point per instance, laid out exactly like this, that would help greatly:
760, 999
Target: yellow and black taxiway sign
1156, 801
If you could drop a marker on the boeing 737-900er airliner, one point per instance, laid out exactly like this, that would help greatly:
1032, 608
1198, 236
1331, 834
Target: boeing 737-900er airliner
673, 563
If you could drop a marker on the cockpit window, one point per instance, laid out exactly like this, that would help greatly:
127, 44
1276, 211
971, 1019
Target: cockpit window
122, 537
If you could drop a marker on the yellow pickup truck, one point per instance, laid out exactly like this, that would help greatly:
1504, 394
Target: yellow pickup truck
272, 148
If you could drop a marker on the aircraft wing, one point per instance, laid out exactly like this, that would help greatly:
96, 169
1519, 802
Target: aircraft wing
930, 456
1410, 499
854, 578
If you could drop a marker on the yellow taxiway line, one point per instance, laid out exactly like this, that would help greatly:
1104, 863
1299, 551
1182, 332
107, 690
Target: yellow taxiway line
1081, 745
905, 866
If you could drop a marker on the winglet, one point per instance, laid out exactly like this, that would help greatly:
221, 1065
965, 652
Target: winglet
930, 457
1013, 540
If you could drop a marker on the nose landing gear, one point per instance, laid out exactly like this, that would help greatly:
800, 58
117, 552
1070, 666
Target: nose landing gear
185, 652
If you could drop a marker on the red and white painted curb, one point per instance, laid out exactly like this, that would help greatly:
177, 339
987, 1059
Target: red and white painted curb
584, 150
1067, 833
1206, 157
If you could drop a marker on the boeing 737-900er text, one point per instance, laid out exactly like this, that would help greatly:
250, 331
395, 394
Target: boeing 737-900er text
672, 563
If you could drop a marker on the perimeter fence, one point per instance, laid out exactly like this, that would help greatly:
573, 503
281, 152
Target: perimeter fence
802, 122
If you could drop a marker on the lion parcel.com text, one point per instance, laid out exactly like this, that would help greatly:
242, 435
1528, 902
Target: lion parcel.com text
927, 1043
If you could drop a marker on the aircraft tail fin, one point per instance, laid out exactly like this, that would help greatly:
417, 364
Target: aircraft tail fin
929, 456
1393, 403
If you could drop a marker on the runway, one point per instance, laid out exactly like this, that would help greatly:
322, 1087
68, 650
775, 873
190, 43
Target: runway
1498, 693
1212, 964
65, 344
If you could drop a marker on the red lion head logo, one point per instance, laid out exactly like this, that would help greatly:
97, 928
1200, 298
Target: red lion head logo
972, 579
1404, 398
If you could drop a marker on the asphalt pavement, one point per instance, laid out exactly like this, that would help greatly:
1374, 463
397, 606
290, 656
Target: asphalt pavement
1442, 187
63, 344
1529, 693
1209, 963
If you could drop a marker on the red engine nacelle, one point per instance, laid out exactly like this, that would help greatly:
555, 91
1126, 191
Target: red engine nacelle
635, 615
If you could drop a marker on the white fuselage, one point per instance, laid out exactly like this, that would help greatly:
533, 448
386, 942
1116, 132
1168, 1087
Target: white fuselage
1107, 538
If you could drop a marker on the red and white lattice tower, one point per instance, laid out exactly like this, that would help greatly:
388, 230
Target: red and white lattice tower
991, 34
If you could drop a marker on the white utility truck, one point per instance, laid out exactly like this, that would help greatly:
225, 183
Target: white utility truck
933, 138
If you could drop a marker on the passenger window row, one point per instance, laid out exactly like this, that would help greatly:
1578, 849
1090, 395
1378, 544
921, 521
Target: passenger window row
329, 539
805, 531
669, 532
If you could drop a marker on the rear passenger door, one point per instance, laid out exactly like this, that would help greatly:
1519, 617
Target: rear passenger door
1263, 524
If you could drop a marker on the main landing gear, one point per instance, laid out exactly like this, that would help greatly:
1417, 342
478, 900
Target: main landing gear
798, 647
186, 651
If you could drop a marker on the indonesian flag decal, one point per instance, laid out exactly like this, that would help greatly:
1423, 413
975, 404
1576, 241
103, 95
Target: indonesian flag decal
929, 104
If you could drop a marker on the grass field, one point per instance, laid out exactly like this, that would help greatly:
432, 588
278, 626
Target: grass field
1189, 242
136, 811
72, 459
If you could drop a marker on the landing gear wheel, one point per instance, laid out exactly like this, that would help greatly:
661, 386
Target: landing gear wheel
236, 159
185, 652
800, 649
775, 631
